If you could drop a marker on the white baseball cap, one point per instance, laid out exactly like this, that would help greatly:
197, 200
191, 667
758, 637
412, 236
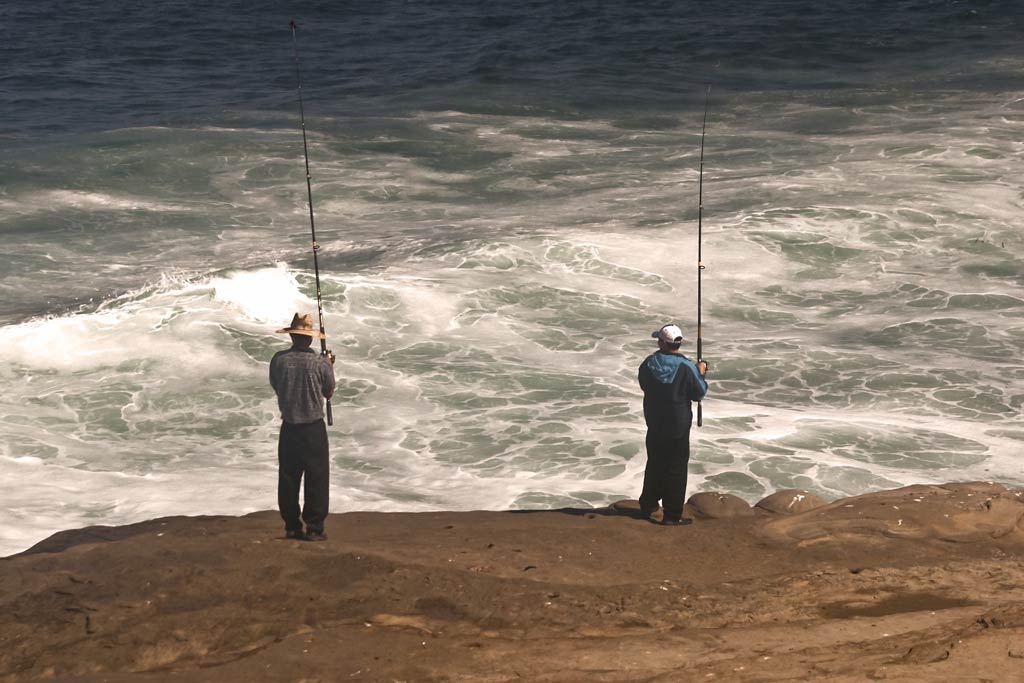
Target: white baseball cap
670, 334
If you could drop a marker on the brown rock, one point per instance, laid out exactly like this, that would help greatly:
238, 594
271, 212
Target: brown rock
790, 502
952, 512
626, 506
714, 505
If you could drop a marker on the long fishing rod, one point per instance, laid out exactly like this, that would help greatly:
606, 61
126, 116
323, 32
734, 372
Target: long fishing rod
312, 224
700, 220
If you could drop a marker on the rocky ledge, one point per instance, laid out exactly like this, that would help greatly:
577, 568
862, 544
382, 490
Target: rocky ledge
922, 583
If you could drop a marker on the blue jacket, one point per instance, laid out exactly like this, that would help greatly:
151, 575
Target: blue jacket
670, 382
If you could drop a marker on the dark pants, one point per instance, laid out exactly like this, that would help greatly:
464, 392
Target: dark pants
665, 476
302, 450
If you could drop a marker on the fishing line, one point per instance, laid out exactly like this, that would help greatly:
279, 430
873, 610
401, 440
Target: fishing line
700, 264
312, 224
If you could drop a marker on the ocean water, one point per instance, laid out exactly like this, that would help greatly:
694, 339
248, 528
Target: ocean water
506, 199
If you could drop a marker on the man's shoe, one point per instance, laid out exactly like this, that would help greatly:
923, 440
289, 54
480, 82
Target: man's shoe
645, 513
295, 534
316, 536
676, 522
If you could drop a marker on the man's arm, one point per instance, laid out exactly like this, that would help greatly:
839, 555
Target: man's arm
697, 386
643, 376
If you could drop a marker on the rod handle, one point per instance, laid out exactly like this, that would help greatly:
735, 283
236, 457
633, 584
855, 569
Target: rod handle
330, 416
700, 406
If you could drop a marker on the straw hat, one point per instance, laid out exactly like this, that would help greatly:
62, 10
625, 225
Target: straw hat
303, 324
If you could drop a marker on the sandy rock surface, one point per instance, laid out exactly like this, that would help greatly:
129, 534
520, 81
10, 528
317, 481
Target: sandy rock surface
789, 502
713, 505
878, 587
954, 512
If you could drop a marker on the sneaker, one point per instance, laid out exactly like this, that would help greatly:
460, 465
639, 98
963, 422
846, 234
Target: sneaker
316, 536
295, 534
676, 522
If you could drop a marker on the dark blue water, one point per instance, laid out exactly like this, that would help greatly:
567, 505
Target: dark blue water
94, 66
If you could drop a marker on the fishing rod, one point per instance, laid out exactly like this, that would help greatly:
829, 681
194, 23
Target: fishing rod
324, 351
700, 217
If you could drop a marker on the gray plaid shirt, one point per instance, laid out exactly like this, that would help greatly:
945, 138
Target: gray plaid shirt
301, 379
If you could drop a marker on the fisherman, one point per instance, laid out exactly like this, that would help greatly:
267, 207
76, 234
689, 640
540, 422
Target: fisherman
670, 382
302, 379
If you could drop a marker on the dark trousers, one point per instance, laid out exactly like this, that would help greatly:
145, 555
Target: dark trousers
302, 451
665, 475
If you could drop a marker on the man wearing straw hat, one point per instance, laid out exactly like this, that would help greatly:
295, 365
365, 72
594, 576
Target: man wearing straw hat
302, 379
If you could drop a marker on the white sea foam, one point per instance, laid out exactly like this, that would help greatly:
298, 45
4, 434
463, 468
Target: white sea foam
105, 339
265, 296
56, 200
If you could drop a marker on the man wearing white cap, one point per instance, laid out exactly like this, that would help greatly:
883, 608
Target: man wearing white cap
670, 382
302, 379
